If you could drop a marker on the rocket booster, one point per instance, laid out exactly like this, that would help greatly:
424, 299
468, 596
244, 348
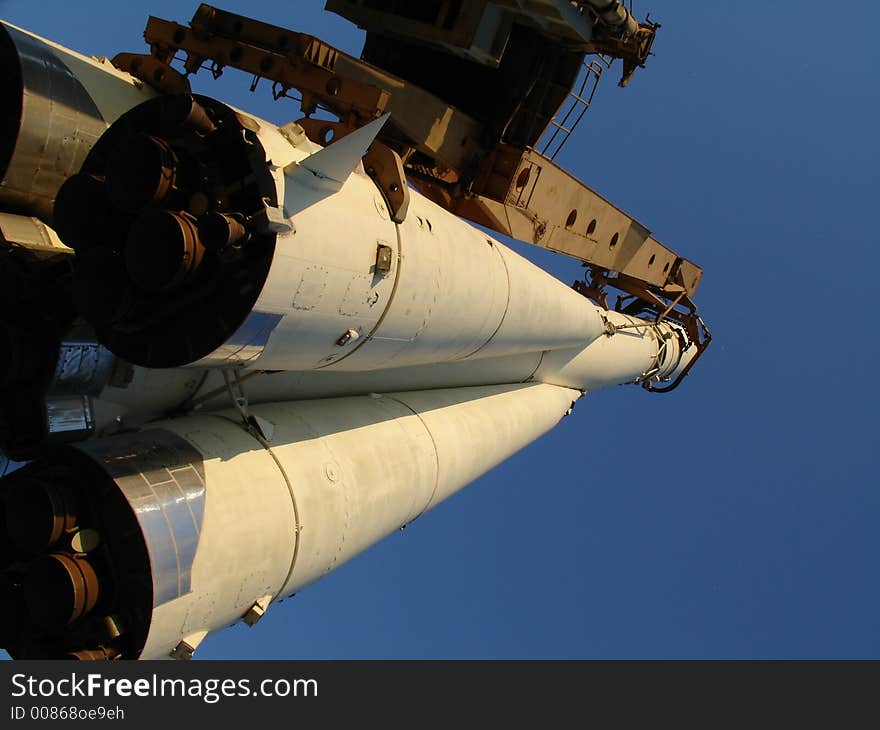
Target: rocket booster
201, 523
57, 103
266, 251
268, 370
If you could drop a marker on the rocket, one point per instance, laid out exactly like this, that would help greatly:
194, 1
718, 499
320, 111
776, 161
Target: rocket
229, 365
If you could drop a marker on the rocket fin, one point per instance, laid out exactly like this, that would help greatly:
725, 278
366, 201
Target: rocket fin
333, 164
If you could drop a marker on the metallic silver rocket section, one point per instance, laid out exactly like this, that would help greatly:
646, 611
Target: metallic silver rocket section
58, 122
70, 416
163, 478
83, 368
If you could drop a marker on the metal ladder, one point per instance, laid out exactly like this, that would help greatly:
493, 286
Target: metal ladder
572, 110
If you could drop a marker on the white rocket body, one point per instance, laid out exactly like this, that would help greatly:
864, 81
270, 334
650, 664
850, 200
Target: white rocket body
452, 293
337, 476
351, 398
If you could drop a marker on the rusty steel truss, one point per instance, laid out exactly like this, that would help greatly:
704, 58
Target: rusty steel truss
470, 147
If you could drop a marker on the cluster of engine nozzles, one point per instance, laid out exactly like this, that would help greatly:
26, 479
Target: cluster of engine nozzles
50, 581
150, 196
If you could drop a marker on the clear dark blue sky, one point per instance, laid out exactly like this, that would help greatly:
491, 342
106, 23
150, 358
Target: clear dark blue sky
737, 517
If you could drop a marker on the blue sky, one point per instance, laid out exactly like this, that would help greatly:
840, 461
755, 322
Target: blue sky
735, 518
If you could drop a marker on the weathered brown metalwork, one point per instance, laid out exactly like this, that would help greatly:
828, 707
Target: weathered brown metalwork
634, 49
303, 63
439, 24
354, 91
324, 131
595, 293
384, 166
380, 162
668, 302
527, 196
153, 72
467, 164
420, 120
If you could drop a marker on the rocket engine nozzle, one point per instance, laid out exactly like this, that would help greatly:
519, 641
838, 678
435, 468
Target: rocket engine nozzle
163, 250
72, 560
38, 513
59, 589
153, 215
142, 171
